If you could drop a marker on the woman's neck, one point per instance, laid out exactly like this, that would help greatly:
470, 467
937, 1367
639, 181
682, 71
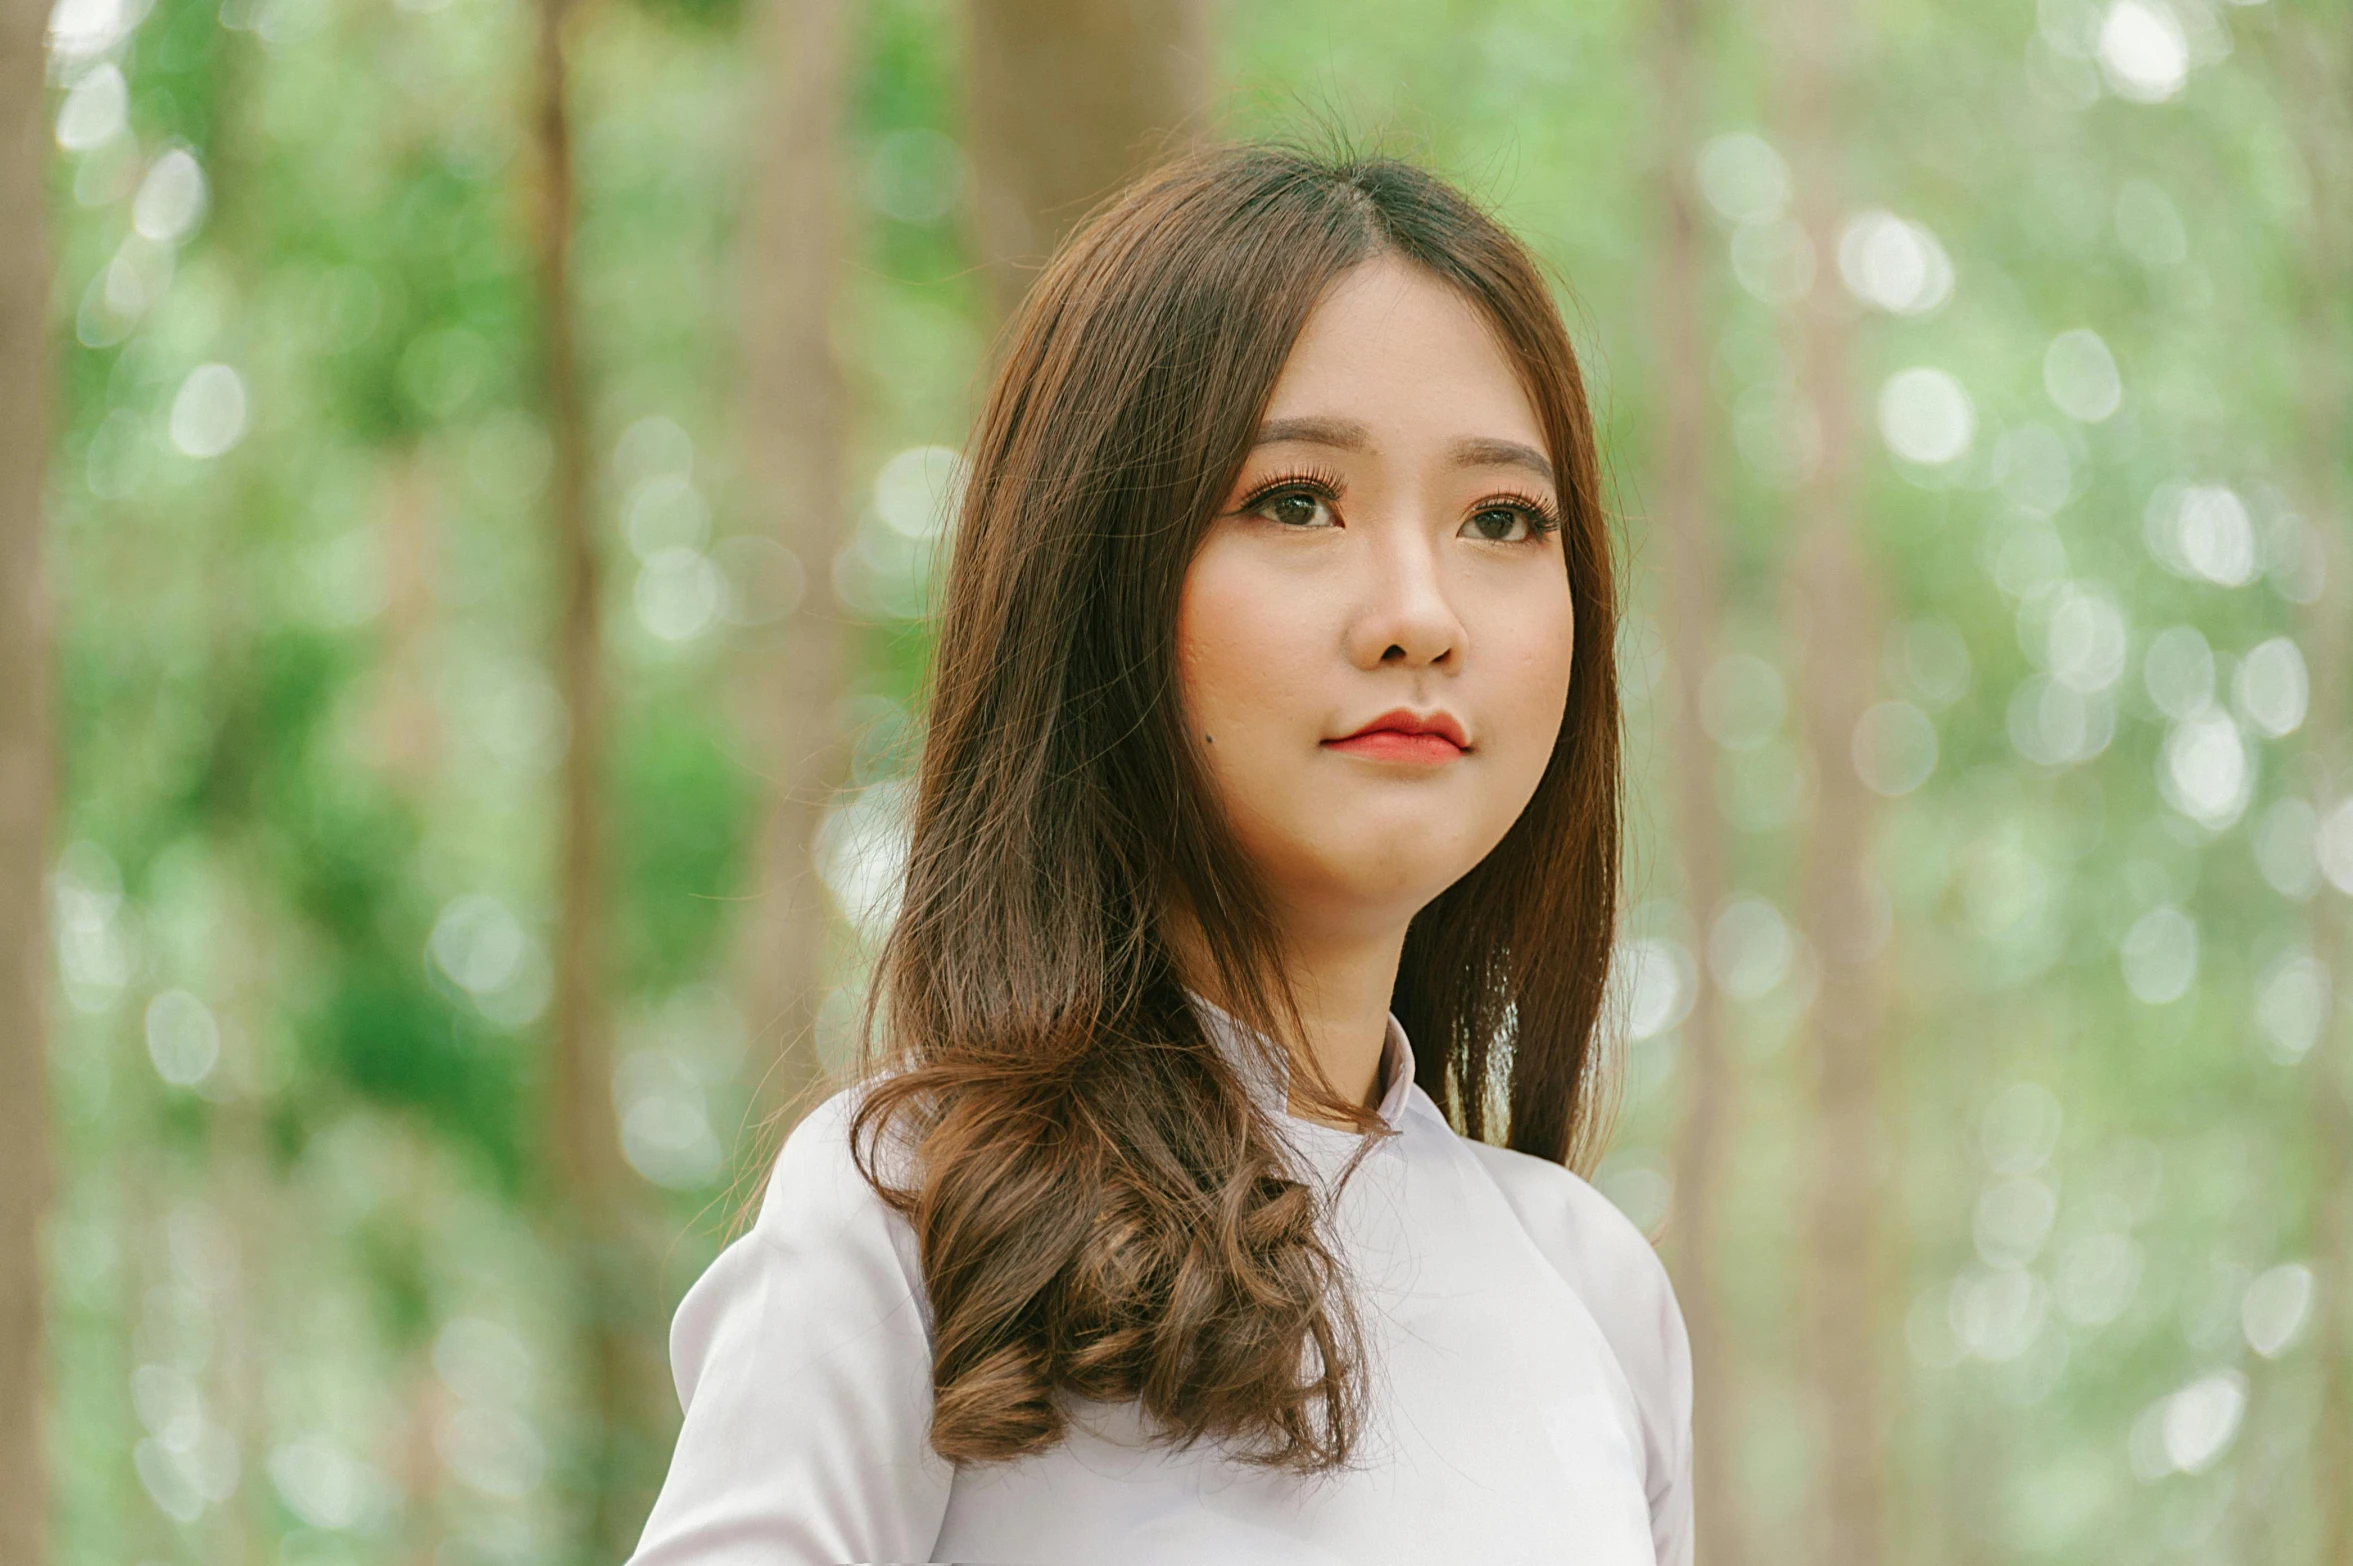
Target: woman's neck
1343, 988
1342, 982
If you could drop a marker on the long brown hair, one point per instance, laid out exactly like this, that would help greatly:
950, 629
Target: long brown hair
1103, 1209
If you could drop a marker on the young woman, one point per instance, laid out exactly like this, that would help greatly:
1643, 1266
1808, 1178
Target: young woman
1206, 1199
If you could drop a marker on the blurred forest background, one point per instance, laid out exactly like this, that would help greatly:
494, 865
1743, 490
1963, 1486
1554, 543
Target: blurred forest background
470, 479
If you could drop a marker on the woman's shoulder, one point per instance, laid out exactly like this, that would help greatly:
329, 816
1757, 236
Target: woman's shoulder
1562, 1208
1611, 1264
1618, 1274
815, 1182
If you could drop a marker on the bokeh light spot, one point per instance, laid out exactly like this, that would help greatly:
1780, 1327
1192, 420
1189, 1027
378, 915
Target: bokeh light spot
1925, 416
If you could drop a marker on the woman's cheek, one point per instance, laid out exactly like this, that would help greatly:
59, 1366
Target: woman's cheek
1215, 651
1548, 642
1540, 684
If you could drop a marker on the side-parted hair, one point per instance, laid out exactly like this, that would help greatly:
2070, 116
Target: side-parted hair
1103, 1210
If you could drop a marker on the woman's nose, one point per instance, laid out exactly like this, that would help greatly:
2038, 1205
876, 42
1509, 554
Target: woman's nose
1407, 616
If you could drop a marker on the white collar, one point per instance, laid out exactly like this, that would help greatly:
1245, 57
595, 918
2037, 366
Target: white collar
1230, 1034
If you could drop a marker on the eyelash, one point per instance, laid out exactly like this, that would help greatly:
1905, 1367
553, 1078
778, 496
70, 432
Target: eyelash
1541, 517
1328, 486
1320, 482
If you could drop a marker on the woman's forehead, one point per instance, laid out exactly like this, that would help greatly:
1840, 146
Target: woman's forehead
1391, 350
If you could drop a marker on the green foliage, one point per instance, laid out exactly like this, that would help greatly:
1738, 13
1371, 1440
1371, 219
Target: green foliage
682, 819
702, 16
392, 1258
394, 1040
313, 747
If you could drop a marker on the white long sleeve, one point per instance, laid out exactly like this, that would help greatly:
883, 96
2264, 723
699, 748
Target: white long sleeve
1531, 1388
803, 1362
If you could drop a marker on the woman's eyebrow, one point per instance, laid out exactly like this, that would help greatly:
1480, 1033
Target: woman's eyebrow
1471, 451
1479, 452
1345, 434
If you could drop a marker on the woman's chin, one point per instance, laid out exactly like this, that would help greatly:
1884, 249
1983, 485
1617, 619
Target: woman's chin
1381, 882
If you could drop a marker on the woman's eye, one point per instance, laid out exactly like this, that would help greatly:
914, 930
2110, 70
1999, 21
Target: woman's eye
1296, 508
1499, 524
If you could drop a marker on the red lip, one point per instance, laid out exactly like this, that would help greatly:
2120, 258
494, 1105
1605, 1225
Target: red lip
1399, 735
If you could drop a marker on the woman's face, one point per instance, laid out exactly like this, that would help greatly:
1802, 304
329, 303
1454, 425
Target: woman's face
1387, 562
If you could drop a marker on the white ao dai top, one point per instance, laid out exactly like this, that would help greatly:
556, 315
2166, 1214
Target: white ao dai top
1531, 1376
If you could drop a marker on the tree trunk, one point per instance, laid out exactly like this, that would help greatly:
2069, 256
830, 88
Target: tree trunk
1069, 100
2325, 637
406, 723
27, 779
418, 1473
2310, 55
1840, 921
582, 1130
589, 1209
795, 428
1683, 491
1834, 598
